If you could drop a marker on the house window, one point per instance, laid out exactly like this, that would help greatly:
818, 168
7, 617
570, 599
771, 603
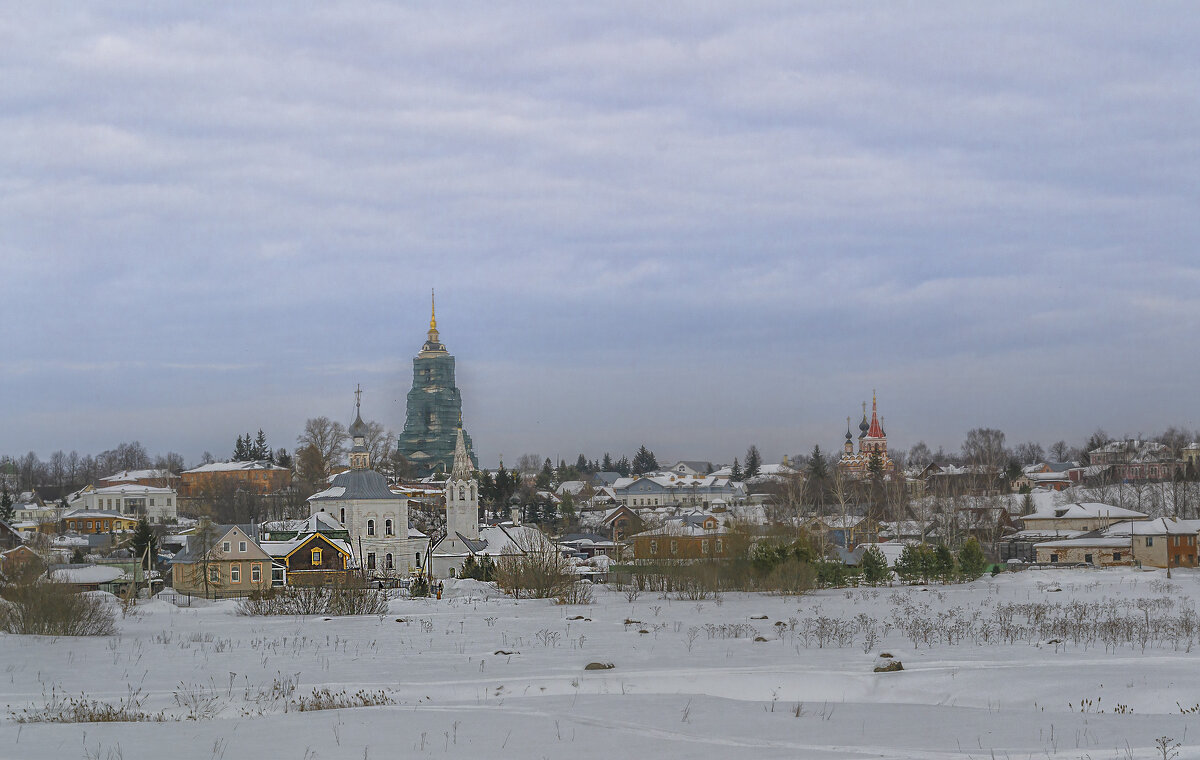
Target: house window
168, 501
235, 573
674, 546
152, 501
720, 546
704, 546
1149, 540
241, 546
1087, 558
370, 527
214, 575
89, 524
387, 561
370, 560
1116, 556
387, 527
316, 556
654, 547
225, 545
256, 573
342, 516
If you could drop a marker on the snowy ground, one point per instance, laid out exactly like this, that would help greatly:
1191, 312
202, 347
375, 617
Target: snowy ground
689, 681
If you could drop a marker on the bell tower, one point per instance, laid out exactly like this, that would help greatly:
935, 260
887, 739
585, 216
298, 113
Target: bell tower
462, 495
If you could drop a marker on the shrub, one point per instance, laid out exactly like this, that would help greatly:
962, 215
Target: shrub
579, 592
344, 599
55, 609
419, 586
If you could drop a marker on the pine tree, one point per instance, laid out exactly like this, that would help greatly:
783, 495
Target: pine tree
581, 464
143, 539
78, 557
623, 467
875, 566
419, 586
546, 476
283, 458
470, 568
607, 464
261, 450
943, 563
644, 461
239, 450
735, 473
817, 469
753, 462
6, 503
971, 561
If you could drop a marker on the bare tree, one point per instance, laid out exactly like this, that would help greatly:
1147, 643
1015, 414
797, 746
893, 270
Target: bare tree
529, 464
323, 439
379, 442
1029, 452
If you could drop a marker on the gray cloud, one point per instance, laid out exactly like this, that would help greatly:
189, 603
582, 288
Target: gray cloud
695, 229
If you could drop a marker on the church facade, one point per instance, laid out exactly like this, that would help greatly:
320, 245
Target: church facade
433, 413
375, 518
872, 441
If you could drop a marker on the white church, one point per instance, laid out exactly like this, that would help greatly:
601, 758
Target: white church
464, 536
374, 516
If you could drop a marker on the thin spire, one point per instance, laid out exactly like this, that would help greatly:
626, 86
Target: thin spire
432, 311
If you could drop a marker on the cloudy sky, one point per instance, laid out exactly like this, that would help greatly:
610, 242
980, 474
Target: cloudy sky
695, 226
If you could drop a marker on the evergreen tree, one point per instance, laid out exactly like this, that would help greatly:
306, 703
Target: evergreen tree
143, 539
78, 557
753, 462
1027, 504
607, 464
623, 467
875, 465
644, 461
487, 569
735, 473
470, 568
875, 566
818, 470
916, 563
545, 477
261, 450
419, 586
971, 561
283, 458
943, 563
6, 503
581, 464
240, 452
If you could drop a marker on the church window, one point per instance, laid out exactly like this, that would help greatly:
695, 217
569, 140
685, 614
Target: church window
462, 493
387, 561
387, 529
472, 492
370, 527
370, 560
418, 559
342, 516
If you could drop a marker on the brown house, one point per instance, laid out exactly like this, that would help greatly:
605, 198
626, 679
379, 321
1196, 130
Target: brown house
253, 477
313, 560
688, 537
622, 522
221, 561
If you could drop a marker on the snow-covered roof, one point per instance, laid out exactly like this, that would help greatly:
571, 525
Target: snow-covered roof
131, 489
1102, 542
235, 467
95, 513
1085, 510
284, 548
315, 523
87, 575
572, 487
1157, 527
132, 475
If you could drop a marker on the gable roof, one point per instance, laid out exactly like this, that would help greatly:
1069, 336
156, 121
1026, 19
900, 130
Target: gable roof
195, 548
357, 484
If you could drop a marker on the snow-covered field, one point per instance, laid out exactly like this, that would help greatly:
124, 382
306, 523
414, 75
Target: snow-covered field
473, 677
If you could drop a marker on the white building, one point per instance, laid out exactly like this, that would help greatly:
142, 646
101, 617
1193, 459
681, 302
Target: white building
375, 518
158, 505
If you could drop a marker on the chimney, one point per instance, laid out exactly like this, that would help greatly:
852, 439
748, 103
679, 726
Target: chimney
516, 515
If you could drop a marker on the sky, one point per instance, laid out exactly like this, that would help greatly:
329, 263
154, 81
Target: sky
694, 226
